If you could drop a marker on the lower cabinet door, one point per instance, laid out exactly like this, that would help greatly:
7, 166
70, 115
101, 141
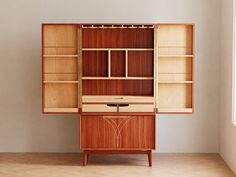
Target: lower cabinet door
117, 132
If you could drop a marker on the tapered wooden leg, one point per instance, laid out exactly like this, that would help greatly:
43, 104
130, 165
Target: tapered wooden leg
150, 158
85, 158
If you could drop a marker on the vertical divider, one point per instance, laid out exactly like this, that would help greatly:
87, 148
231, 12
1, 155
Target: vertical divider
109, 63
126, 63
79, 48
156, 66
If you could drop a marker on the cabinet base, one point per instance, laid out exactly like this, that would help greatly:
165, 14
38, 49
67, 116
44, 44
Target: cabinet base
87, 152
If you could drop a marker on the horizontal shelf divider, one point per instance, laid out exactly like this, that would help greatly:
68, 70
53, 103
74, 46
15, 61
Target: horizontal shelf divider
166, 56
184, 47
60, 82
73, 47
61, 56
175, 110
175, 82
118, 78
61, 110
117, 49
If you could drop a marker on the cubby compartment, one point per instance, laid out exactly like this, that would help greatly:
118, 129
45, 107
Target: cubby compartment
174, 69
59, 36
61, 77
174, 97
57, 65
95, 64
175, 39
118, 37
60, 96
118, 64
118, 87
140, 64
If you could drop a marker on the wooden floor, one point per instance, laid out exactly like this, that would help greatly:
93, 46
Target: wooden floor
70, 165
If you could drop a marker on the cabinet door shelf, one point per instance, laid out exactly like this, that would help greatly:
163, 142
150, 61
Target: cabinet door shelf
59, 56
117, 49
176, 56
117, 78
60, 82
61, 110
175, 110
175, 82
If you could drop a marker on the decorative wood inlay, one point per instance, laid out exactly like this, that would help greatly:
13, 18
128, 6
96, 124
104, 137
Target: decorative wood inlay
117, 125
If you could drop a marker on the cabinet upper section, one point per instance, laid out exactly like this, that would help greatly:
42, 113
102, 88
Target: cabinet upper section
117, 68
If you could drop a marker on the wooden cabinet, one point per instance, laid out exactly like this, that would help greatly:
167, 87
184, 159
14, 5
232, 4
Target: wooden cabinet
117, 132
117, 77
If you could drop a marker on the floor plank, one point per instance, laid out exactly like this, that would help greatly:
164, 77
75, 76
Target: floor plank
70, 165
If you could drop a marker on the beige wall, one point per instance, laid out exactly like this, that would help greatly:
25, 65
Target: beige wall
227, 129
24, 128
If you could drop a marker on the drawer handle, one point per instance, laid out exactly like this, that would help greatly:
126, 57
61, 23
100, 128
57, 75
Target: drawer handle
123, 105
112, 105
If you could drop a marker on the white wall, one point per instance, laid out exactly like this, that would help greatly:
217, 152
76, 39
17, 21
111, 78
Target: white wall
24, 128
227, 130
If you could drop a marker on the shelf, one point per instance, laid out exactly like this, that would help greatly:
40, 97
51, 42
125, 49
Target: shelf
117, 26
60, 82
117, 78
175, 110
175, 56
175, 82
117, 49
117, 99
61, 56
61, 110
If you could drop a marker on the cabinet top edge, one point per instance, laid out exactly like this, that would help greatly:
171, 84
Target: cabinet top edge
190, 24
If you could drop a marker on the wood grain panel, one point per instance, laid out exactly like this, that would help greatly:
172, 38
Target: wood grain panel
95, 63
117, 38
60, 35
60, 95
140, 64
60, 65
60, 77
175, 39
138, 132
60, 51
134, 132
118, 87
96, 132
175, 96
117, 64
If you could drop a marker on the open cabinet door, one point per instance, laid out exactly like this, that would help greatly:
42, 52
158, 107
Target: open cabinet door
174, 71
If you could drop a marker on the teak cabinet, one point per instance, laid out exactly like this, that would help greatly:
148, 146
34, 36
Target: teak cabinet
117, 77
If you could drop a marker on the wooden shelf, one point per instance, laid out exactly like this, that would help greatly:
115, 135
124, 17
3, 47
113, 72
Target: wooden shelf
61, 110
117, 49
59, 56
175, 56
117, 78
175, 110
117, 98
175, 82
117, 26
60, 82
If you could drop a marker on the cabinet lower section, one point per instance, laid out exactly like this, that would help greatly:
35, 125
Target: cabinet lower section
117, 134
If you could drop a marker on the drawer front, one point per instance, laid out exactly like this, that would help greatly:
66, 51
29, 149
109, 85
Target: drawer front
136, 108
117, 132
99, 108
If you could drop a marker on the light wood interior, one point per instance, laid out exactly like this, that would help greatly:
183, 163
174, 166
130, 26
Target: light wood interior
117, 99
100, 63
60, 68
175, 68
